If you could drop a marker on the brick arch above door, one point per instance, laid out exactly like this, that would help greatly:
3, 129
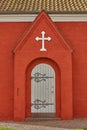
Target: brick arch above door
21, 62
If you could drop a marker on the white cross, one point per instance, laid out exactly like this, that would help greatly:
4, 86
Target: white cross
43, 40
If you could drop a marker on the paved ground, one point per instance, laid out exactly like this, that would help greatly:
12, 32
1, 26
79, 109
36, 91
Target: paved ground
24, 126
47, 125
70, 124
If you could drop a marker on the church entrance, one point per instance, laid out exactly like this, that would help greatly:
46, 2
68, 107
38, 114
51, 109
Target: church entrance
43, 91
42, 73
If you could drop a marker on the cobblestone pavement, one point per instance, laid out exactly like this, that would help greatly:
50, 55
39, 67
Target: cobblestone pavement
47, 125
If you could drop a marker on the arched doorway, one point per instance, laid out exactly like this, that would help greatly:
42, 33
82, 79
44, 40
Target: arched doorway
43, 94
43, 91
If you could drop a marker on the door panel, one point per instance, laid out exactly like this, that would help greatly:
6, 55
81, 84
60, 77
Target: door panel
43, 90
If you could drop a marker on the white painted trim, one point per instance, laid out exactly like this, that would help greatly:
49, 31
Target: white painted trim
54, 17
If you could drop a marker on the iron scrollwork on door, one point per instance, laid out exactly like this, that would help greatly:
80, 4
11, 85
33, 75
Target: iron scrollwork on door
38, 77
38, 104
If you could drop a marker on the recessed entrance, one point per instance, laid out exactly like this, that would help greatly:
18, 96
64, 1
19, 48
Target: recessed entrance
43, 91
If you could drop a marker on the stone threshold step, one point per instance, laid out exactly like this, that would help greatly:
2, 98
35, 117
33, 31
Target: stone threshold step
41, 119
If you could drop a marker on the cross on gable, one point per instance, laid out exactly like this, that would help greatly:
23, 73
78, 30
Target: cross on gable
43, 39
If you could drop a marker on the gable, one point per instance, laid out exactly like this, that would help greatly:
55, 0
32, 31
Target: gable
42, 24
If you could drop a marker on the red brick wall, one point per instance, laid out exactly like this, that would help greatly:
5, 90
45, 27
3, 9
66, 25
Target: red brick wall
76, 36
9, 34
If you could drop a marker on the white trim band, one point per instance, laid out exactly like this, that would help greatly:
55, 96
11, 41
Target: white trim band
54, 17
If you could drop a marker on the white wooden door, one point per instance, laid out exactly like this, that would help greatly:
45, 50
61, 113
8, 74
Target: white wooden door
43, 89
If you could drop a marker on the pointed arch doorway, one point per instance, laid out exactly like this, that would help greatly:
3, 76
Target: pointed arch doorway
43, 89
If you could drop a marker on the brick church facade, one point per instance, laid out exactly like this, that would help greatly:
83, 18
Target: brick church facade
47, 59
